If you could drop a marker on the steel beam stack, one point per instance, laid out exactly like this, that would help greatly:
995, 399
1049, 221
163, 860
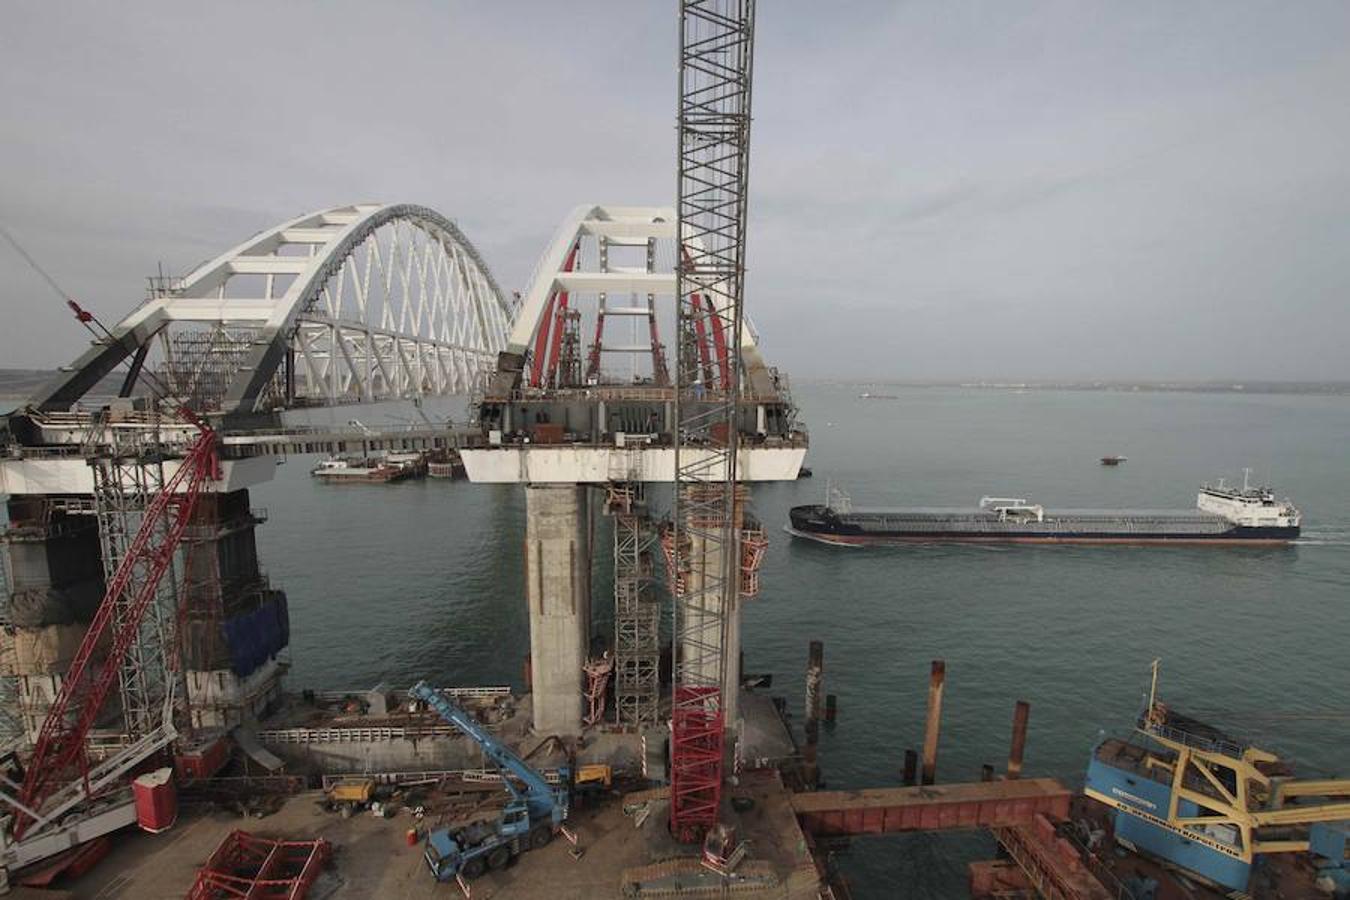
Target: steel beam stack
716, 42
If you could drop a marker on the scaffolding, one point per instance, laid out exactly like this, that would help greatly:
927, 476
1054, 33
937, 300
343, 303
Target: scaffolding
124, 484
637, 609
568, 373
199, 364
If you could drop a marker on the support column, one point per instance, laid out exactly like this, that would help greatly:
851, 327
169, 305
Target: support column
53, 585
235, 623
711, 563
558, 590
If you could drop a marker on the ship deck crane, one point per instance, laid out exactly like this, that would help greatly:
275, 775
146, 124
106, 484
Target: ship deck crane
527, 822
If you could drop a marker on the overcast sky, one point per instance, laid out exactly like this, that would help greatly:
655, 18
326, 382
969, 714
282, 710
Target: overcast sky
939, 189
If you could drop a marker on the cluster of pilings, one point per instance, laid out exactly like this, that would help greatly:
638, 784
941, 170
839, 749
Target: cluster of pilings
911, 773
937, 680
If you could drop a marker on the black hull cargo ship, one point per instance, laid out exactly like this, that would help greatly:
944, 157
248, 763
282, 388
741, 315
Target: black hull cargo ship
1223, 515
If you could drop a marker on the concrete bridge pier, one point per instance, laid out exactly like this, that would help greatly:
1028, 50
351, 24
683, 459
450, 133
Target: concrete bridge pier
558, 590
235, 623
54, 582
708, 566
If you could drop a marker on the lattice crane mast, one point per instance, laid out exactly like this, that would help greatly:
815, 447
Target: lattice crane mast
716, 43
59, 775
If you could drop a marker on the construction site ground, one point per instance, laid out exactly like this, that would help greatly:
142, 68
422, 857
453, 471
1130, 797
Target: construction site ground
371, 857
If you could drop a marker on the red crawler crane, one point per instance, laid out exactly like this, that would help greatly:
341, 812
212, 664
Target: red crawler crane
59, 757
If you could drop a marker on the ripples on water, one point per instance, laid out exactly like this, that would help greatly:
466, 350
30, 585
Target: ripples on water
423, 579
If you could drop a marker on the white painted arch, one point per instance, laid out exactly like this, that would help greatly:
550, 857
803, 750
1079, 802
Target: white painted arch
370, 302
620, 223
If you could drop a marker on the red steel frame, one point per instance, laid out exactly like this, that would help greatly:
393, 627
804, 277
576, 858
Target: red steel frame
545, 356
252, 867
60, 750
719, 338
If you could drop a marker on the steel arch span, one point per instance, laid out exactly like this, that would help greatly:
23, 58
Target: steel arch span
356, 303
623, 259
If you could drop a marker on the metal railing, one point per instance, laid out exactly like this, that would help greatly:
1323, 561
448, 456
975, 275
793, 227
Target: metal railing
353, 735
1191, 739
490, 692
472, 776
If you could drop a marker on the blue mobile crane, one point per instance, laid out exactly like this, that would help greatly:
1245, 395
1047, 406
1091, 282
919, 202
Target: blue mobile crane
535, 810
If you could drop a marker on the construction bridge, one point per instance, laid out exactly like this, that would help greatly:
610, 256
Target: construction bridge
129, 474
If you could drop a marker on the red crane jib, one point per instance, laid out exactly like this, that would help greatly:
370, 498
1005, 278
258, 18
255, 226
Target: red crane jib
61, 743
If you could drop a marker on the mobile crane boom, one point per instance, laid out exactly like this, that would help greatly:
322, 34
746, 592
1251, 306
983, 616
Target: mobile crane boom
527, 822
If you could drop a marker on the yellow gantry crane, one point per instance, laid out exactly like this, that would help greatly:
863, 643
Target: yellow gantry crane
1212, 804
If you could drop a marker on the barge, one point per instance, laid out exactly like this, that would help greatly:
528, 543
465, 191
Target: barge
1222, 515
339, 470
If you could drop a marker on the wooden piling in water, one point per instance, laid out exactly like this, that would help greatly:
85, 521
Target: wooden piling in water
815, 666
936, 679
1021, 713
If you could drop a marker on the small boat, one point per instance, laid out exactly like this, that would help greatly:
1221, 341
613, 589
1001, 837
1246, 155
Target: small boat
341, 470
1113, 460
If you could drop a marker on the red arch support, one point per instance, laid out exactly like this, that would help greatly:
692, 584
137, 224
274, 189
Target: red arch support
549, 336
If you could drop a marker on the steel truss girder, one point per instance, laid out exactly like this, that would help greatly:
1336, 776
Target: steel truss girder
400, 279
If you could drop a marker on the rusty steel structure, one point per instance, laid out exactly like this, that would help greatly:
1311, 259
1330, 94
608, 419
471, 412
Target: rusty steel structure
981, 804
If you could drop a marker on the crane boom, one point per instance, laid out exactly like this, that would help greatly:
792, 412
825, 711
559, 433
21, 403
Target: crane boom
539, 795
59, 754
716, 50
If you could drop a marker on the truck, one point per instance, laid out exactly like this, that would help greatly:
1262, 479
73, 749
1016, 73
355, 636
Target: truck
350, 794
534, 812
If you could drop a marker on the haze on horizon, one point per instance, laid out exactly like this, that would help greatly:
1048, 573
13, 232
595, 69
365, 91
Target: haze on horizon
939, 190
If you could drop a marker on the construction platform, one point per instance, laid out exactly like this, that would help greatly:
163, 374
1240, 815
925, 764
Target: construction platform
371, 856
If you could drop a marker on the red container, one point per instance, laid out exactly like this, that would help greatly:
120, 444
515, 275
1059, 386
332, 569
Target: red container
156, 800
203, 759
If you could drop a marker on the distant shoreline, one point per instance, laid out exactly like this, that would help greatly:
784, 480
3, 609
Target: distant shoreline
22, 383
1319, 388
